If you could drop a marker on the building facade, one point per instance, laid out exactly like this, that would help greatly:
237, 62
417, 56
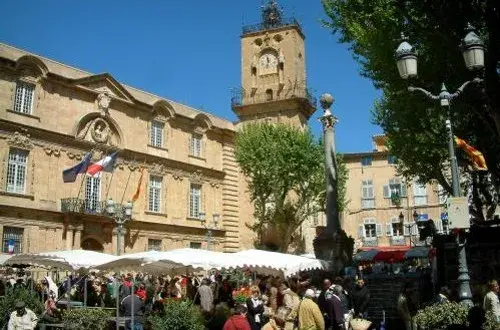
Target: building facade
192, 193
384, 210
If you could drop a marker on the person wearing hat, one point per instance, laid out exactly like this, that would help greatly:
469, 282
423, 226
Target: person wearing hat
22, 318
310, 317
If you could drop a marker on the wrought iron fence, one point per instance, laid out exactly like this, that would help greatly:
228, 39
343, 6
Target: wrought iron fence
398, 240
88, 206
251, 28
370, 241
240, 97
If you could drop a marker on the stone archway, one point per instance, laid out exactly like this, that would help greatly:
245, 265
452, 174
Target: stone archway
92, 245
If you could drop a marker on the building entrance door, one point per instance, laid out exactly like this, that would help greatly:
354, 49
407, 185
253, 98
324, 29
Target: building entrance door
92, 245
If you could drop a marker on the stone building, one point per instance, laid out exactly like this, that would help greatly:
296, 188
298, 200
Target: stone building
383, 207
52, 114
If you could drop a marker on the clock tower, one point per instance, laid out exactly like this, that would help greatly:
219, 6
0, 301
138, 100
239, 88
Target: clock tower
273, 72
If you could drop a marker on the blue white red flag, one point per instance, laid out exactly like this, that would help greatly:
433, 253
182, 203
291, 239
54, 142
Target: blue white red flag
106, 164
70, 174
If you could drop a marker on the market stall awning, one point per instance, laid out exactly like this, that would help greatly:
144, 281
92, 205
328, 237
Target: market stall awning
290, 264
151, 262
418, 252
66, 260
390, 256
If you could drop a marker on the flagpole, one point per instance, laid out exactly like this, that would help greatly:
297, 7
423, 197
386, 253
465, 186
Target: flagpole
126, 186
109, 185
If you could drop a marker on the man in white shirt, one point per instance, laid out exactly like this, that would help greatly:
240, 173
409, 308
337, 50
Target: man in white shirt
491, 303
23, 318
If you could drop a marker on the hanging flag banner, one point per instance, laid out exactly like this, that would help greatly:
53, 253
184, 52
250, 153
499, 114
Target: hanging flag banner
138, 190
106, 164
70, 174
475, 155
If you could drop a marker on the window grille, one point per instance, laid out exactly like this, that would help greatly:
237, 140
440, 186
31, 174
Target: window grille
194, 201
196, 142
154, 244
23, 102
12, 240
155, 183
157, 133
16, 171
93, 194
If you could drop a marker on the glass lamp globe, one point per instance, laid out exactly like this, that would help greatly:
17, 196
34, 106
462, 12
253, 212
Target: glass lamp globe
473, 51
406, 60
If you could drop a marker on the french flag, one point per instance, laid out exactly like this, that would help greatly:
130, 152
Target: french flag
106, 164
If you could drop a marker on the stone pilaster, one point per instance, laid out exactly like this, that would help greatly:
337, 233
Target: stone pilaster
230, 198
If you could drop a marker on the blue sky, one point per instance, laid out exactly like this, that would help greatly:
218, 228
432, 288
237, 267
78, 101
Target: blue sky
188, 51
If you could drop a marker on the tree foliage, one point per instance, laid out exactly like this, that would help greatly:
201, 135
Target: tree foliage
414, 125
285, 171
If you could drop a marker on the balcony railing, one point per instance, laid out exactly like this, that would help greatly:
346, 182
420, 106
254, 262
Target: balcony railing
291, 21
241, 97
398, 240
370, 241
88, 206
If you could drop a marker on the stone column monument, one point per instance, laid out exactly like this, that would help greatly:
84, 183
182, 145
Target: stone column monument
332, 244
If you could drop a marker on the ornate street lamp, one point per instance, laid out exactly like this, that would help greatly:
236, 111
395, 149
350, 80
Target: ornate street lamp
473, 50
209, 227
473, 53
406, 59
120, 219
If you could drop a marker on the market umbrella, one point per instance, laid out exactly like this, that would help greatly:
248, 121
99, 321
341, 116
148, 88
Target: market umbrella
366, 255
417, 252
390, 256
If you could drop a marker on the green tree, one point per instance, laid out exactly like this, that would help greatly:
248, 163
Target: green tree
285, 171
414, 125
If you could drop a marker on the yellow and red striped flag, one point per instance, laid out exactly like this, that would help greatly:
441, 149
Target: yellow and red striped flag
138, 190
475, 155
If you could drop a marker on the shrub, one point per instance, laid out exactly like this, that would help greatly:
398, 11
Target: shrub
491, 322
86, 318
441, 316
179, 315
30, 298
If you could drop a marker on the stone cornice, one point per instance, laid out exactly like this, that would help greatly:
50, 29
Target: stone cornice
37, 215
54, 144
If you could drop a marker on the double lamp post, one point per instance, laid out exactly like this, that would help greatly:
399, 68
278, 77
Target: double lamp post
473, 54
120, 215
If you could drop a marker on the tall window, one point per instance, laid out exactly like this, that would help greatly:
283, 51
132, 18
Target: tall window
93, 194
155, 183
154, 244
395, 228
12, 240
395, 188
195, 245
23, 102
391, 159
419, 193
196, 142
368, 197
194, 201
366, 161
370, 229
16, 171
157, 133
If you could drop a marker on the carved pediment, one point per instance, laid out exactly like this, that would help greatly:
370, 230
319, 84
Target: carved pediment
20, 140
105, 83
98, 129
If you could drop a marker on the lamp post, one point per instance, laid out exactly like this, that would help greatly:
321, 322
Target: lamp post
209, 227
473, 53
121, 217
409, 225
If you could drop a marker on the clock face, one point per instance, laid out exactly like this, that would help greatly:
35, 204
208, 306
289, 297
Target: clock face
268, 63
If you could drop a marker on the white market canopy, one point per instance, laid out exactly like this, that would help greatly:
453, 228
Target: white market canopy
290, 264
67, 260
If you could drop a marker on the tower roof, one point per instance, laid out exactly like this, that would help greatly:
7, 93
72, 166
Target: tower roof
271, 18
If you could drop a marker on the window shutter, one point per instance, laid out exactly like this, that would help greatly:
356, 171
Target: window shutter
378, 227
388, 231
406, 229
191, 151
403, 189
414, 230
387, 191
361, 231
